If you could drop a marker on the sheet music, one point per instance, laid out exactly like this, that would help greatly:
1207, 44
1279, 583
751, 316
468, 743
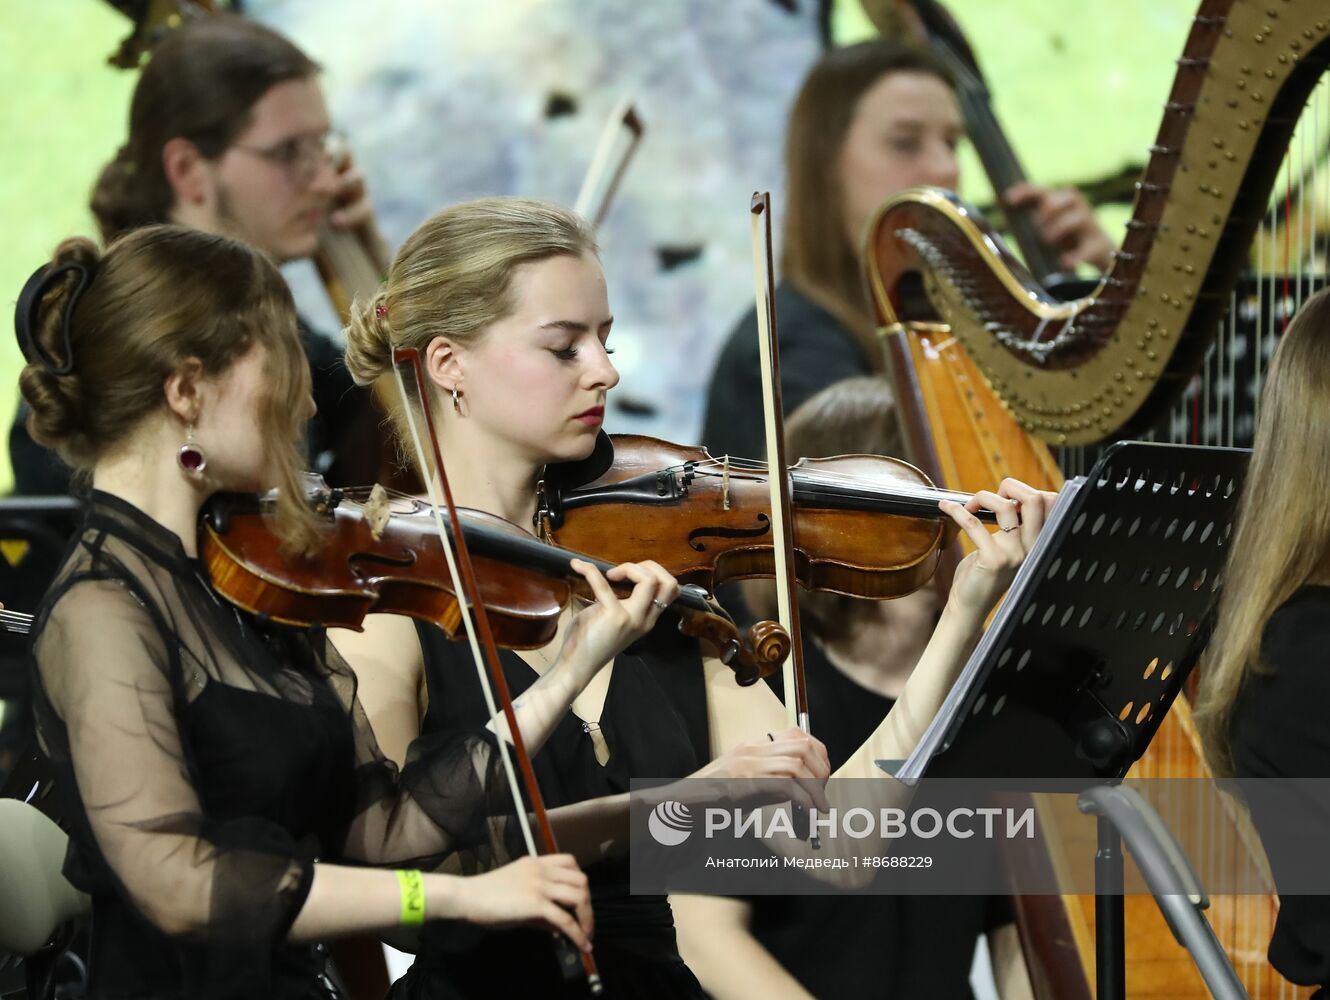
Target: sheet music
1033, 569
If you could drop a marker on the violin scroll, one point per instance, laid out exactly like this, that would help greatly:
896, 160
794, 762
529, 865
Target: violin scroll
770, 644
757, 653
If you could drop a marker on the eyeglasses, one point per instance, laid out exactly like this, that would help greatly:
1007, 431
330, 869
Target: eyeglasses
301, 157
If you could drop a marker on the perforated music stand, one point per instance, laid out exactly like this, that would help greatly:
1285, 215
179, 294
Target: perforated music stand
1095, 640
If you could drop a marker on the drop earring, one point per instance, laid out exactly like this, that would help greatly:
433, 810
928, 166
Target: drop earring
191, 457
457, 407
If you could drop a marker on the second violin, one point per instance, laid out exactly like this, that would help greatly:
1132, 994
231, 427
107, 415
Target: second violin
864, 525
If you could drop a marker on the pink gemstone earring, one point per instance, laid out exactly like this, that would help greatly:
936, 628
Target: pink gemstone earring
191, 456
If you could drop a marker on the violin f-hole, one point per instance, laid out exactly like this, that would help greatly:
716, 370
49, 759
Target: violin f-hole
762, 527
404, 561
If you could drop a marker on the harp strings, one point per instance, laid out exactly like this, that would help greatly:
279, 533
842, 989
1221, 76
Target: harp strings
1289, 261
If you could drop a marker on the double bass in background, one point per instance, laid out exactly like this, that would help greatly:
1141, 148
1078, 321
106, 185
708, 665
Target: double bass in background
350, 260
991, 370
288, 172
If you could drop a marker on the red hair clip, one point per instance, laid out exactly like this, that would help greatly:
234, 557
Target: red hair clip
381, 310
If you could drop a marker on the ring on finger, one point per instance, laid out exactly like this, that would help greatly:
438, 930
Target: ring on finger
660, 604
1012, 527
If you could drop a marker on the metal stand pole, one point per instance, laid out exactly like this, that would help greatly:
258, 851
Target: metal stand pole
1110, 934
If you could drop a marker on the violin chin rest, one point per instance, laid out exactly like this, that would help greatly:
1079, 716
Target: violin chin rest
570, 475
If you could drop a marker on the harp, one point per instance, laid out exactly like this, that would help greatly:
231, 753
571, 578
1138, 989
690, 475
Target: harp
992, 373
1108, 364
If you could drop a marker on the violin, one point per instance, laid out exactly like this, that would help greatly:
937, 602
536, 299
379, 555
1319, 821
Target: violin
381, 553
864, 525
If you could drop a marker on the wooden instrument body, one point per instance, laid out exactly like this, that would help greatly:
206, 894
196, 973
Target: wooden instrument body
355, 574
956, 429
708, 527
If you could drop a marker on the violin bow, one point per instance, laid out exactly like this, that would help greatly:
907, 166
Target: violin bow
471, 609
778, 480
605, 172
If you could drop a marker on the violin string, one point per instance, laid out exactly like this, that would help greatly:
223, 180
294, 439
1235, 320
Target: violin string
711, 467
802, 477
837, 478
864, 486
361, 494
860, 485
358, 495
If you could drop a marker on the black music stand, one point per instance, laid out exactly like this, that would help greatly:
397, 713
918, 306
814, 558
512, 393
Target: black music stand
1101, 628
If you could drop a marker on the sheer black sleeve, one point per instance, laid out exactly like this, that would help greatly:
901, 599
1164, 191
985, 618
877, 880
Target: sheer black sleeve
448, 808
109, 708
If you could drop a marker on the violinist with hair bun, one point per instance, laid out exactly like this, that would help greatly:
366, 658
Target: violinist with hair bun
506, 301
224, 790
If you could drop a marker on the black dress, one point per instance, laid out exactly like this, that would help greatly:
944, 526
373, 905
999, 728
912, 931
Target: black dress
859, 945
205, 762
816, 350
654, 723
1279, 731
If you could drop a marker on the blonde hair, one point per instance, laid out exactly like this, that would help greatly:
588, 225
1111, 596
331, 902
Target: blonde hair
453, 277
159, 296
1282, 538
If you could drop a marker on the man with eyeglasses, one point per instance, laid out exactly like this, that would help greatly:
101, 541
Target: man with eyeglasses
229, 133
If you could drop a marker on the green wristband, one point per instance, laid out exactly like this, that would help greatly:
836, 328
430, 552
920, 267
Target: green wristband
413, 897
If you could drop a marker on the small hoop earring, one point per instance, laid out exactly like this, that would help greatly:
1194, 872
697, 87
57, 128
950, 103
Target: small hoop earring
191, 457
457, 407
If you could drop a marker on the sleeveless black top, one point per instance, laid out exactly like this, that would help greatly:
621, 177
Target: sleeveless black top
655, 724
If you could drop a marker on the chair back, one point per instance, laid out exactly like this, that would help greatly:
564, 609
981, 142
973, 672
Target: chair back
35, 897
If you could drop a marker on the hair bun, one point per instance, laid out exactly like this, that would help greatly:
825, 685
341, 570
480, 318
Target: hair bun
119, 200
369, 345
57, 401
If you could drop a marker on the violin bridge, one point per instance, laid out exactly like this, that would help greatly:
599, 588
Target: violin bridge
725, 483
377, 511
